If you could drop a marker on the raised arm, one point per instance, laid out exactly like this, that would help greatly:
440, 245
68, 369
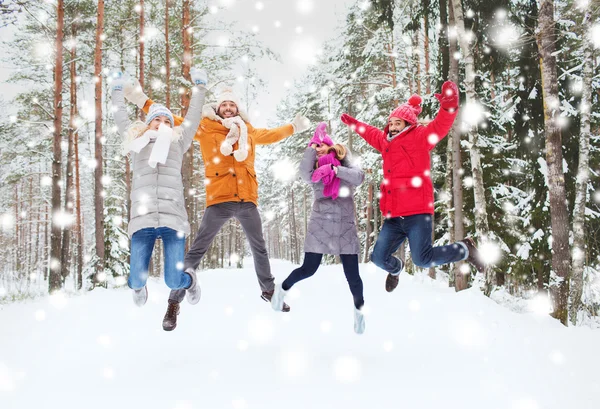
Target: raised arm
442, 123
118, 106
307, 164
194, 112
374, 136
264, 136
193, 116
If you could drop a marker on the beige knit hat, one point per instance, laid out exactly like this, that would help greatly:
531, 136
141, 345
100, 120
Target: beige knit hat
227, 94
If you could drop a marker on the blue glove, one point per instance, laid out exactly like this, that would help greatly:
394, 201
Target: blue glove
199, 76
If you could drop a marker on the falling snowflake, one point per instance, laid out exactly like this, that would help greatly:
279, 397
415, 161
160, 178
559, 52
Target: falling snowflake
305, 6
489, 252
284, 170
344, 191
595, 33
8, 221
540, 304
472, 113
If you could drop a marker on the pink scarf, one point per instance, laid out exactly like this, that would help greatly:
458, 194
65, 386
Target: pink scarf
325, 173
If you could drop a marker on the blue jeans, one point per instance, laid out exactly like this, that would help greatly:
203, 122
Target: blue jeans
142, 245
417, 229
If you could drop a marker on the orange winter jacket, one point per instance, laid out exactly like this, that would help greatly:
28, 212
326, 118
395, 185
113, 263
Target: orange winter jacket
228, 180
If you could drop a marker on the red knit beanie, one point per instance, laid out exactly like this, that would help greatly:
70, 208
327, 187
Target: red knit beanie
409, 111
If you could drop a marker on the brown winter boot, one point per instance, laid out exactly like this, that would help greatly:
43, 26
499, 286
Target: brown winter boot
170, 319
474, 258
391, 282
266, 295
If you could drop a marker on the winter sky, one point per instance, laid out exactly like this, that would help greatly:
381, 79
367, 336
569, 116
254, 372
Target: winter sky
294, 29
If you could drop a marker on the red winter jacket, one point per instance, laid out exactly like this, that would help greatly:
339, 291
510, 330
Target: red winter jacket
407, 188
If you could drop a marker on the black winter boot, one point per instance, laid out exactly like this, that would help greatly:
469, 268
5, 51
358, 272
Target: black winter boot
170, 319
474, 258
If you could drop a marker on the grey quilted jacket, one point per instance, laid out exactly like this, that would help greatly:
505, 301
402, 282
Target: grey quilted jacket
157, 193
332, 226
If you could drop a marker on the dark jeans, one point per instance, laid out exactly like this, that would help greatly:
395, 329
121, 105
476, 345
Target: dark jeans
213, 219
311, 263
417, 229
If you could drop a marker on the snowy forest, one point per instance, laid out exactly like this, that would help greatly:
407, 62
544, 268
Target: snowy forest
519, 171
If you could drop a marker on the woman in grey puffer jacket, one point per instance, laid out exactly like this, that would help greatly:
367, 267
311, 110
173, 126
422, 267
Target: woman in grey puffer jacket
157, 148
332, 227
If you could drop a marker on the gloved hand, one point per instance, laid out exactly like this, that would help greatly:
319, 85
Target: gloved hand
199, 76
348, 120
449, 96
325, 173
300, 123
116, 81
133, 91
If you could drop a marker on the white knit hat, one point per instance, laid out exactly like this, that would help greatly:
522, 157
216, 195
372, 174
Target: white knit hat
227, 94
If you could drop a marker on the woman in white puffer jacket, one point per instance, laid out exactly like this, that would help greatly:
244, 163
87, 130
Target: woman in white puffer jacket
157, 149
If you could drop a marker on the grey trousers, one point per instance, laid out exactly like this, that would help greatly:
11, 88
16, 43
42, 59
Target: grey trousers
213, 219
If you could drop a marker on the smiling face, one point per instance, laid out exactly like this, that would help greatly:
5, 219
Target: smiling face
155, 123
322, 150
396, 125
227, 109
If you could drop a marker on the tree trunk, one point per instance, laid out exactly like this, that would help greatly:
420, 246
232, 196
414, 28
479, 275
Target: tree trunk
461, 280
443, 39
369, 213
481, 221
55, 281
188, 160
579, 250
98, 188
17, 253
167, 57
559, 285
426, 46
294, 233
69, 193
142, 43
78, 221
417, 60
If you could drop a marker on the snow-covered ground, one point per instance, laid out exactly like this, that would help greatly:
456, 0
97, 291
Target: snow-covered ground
424, 347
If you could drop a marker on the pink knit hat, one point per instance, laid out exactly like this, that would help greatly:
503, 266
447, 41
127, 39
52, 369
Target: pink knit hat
320, 136
409, 111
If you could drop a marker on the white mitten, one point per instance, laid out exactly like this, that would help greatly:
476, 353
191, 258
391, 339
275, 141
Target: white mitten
133, 92
199, 76
300, 123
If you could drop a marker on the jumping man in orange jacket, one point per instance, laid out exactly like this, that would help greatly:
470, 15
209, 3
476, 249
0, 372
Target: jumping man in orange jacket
227, 141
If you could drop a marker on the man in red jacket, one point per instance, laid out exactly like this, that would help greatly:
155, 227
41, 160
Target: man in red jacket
407, 191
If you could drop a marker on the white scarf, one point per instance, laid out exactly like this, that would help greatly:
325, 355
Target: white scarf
238, 132
162, 143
